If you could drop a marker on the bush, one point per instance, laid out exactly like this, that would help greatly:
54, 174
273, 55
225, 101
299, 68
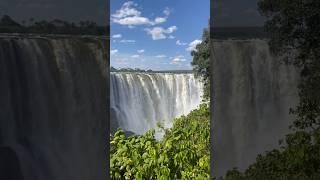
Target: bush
183, 152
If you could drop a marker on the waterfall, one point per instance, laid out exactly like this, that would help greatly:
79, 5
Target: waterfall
53, 101
253, 91
140, 100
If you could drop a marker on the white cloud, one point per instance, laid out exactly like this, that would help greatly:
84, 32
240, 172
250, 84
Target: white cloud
178, 42
134, 20
159, 32
159, 20
135, 56
178, 59
161, 56
193, 44
167, 11
127, 41
126, 10
113, 51
171, 29
130, 16
171, 37
116, 36
140, 51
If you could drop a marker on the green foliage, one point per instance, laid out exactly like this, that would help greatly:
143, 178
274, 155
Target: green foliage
298, 159
56, 26
201, 62
183, 152
112, 69
294, 28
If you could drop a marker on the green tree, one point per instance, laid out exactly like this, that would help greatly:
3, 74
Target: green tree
112, 69
201, 62
294, 26
8, 21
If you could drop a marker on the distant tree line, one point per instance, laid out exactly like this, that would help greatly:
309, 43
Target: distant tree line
112, 69
56, 26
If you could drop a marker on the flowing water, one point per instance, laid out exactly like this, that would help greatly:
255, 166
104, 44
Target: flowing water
53, 101
140, 100
253, 91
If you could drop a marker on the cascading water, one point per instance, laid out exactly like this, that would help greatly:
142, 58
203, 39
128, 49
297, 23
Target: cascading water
253, 91
53, 101
140, 100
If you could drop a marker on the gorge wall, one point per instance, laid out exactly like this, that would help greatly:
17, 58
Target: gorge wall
53, 102
252, 94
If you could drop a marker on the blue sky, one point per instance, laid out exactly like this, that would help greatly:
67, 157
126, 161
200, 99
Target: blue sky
156, 34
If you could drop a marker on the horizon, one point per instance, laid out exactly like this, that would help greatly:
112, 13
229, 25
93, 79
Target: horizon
119, 69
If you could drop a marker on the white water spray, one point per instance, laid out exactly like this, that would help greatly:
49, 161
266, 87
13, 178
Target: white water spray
140, 100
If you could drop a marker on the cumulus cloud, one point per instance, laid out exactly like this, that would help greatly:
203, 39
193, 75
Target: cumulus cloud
171, 37
161, 56
171, 29
135, 56
192, 46
179, 43
127, 41
158, 33
140, 51
116, 36
167, 11
130, 16
177, 59
126, 10
113, 51
159, 20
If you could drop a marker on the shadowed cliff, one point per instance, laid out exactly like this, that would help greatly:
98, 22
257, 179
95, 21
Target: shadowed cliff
53, 106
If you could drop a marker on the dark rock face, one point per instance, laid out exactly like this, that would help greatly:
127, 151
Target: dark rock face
9, 165
53, 107
253, 92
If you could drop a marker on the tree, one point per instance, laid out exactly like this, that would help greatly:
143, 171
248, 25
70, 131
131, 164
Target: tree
201, 62
31, 20
112, 69
9, 22
294, 26
8, 25
183, 152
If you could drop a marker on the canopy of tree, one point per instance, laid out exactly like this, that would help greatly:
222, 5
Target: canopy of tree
183, 153
112, 69
201, 62
8, 25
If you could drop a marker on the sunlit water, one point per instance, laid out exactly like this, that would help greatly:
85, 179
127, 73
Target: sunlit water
139, 101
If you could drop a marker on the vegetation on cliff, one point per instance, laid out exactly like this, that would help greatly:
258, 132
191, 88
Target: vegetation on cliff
183, 152
201, 62
112, 69
56, 26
